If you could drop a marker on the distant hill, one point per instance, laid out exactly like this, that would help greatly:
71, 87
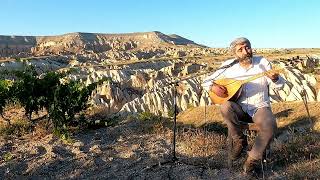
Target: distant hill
109, 47
84, 43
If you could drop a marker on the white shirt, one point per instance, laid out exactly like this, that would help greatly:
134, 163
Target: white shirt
254, 94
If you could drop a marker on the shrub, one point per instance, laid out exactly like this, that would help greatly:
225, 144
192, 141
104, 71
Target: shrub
60, 97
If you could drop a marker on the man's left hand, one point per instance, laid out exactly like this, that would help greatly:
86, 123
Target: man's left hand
273, 76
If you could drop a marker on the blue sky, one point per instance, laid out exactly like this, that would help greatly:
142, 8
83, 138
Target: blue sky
267, 23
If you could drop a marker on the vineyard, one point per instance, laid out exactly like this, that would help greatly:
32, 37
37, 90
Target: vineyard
52, 92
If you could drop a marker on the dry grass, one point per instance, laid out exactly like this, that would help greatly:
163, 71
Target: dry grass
201, 140
202, 147
296, 158
287, 113
299, 158
199, 116
308, 169
18, 128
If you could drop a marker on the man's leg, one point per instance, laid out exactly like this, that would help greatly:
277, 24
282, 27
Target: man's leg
267, 126
232, 113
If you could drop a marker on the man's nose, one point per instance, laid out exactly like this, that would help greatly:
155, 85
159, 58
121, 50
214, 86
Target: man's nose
245, 51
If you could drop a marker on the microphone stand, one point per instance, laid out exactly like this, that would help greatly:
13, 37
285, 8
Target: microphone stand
176, 84
174, 158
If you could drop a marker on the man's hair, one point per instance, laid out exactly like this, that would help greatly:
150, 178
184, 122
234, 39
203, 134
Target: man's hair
237, 41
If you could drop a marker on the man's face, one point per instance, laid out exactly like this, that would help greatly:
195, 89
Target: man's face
243, 52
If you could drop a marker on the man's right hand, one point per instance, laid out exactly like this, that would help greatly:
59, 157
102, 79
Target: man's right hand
219, 90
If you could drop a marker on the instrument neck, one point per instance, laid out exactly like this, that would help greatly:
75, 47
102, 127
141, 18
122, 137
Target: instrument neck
256, 76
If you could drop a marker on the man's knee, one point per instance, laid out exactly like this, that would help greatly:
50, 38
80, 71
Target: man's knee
266, 121
226, 107
269, 125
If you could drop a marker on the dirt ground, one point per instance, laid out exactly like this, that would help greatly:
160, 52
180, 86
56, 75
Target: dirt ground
125, 151
136, 149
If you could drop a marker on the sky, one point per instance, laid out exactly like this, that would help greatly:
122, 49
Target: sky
214, 23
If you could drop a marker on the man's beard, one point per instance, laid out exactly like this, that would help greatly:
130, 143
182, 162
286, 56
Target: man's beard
246, 58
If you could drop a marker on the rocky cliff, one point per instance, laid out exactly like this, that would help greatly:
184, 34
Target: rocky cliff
98, 46
106, 47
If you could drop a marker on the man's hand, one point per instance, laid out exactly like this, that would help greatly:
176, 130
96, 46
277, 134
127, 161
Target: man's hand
273, 76
219, 90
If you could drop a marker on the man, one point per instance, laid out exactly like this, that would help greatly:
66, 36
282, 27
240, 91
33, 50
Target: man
252, 105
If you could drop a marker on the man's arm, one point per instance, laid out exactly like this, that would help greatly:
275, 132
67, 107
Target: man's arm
210, 86
274, 79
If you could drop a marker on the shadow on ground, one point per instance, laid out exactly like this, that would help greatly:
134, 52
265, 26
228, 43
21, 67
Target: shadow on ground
144, 150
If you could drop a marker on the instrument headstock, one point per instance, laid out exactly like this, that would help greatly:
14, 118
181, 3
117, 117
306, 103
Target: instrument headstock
277, 69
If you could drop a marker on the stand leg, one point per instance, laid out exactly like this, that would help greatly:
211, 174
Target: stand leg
305, 102
230, 147
174, 158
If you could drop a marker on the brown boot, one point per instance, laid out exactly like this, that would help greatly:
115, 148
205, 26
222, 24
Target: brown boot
251, 165
239, 146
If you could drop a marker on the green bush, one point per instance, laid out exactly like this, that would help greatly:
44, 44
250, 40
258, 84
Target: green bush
148, 116
7, 156
61, 98
26, 89
4, 94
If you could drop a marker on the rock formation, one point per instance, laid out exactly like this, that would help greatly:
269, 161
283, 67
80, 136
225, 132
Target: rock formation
146, 84
107, 47
147, 89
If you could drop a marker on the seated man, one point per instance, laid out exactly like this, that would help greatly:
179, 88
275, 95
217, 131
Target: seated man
252, 104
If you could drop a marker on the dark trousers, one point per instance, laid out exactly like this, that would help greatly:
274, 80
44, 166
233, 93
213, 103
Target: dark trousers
233, 114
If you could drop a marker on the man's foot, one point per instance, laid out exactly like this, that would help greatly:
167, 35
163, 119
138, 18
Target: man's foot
238, 147
251, 165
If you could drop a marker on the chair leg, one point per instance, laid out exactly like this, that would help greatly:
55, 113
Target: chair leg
266, 156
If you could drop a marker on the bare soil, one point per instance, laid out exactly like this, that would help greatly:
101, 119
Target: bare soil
136, 149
